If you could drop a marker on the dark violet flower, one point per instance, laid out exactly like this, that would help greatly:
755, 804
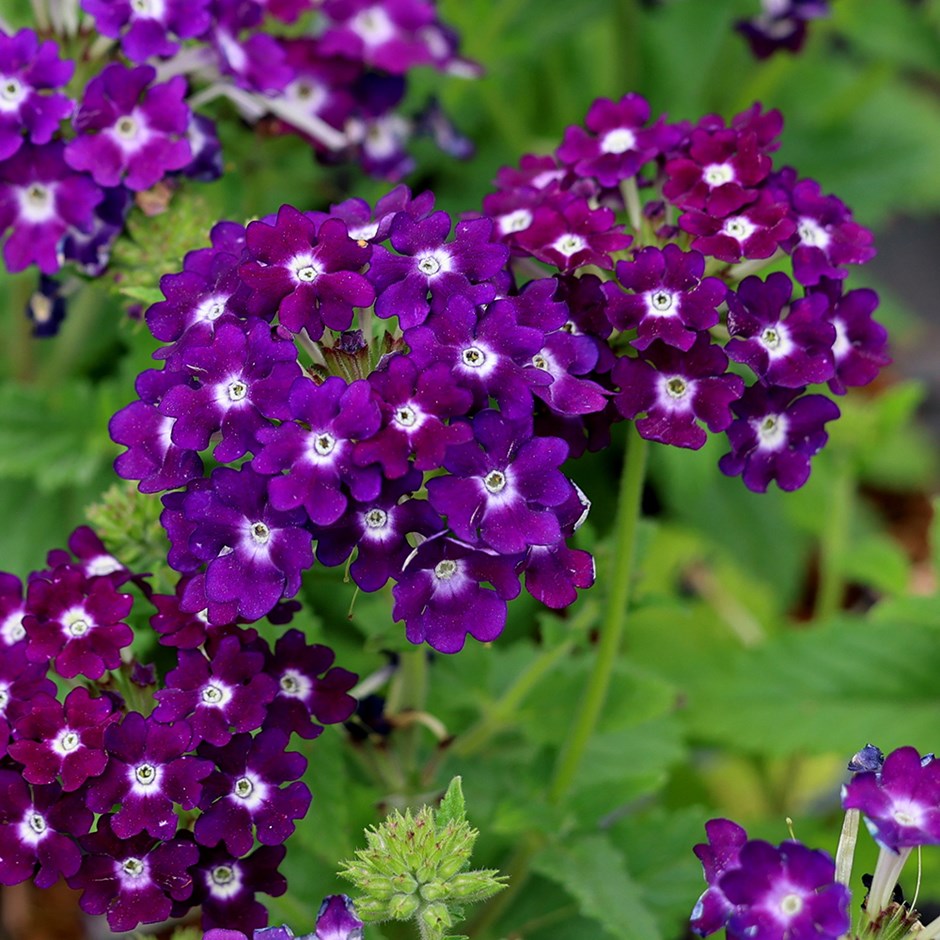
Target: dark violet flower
235, 385
503, 486
901, 803
145, 27
76, 622
792, 349
226, 691
860, 347
38, 827
255, 554
129, 130
416, 402
27, 69
148, 775
307, 273
776, 432
317, 457
785, 892
618, 145
490, 353
336, 920
41, 197
364, 224
308, 690
87, 552
207, 164
385, 35
21, 684
869, 758
781, 24
152, 457
427, 265
670, 299
12, 611
133, 881
675, 390
90, 250
719, 855
755, 231
177, 627
226, 886
571, 235
244, 794
63, 741
378, 530
442, 597
46, 307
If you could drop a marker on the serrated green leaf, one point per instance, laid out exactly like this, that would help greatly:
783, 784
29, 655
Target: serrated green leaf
593, 872
452, 807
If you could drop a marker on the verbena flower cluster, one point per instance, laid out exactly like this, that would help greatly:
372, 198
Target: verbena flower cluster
450, 369
336, 920
151, 801
781, 25
72, 164
761, 892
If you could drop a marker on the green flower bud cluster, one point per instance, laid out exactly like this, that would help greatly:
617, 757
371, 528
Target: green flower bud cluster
414, 868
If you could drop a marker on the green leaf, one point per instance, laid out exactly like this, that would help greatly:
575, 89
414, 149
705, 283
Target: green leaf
146, 295
594, 872
452, 807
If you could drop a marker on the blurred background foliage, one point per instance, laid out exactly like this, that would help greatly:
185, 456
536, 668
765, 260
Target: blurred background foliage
771, 636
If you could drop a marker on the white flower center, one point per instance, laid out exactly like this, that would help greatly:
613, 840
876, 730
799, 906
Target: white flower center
842, 345
12, 629
260, 533
4, 697
127, 128
222, 874
294, 684
12, 92
676, 387
75, 624
540, 362
517, 221
210, 309
67, 741
145, 774
324, 444
791, 905
771, 338
429, 265
473, 356
660, 301
445, 569
37, 823
495, 481
813, 234
717, 174
569, 244
37, 203
619, 140
373, 26
237, 390
771, 432
376, 518
739, 228
215, 695
243, 788
133, 867
101, 565
149, 9
405, 415
307, 273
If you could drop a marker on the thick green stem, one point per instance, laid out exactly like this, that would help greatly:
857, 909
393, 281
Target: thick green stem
833, 543
619, 577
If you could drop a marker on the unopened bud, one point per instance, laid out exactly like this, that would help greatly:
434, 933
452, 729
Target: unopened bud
403, 906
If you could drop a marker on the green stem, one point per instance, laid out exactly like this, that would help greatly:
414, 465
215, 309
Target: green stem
409, 693
619, 576
833, 542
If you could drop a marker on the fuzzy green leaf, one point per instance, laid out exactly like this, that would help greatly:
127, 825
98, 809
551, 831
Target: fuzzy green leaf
452, 807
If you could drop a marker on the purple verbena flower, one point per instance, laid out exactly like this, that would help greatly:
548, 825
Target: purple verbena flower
41, 198
55, 740
318, 454
790, 350
427, 265
145, 27
307, 273
236, 385
244, 794
776, 432
129, 130
22, 683
781, 24
225, 692
442, 597
12, 611
336, 920
149, 774
76, 622
503, 486
901, 802
254, 553
719, 855
38, 828
675, 390
133, 881
27, 69
308, 690
670, 300
89, 248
